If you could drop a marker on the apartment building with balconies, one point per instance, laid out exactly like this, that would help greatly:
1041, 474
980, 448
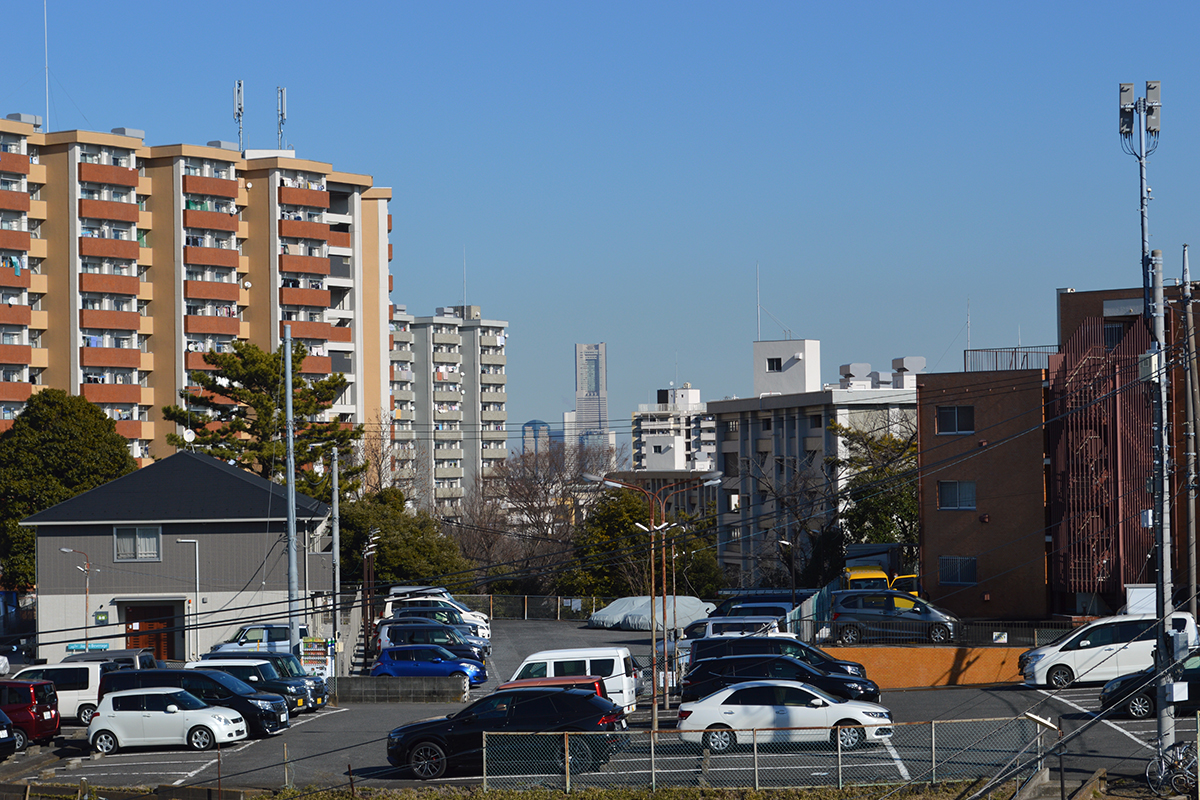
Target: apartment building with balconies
676, 433
121, 265
460, 415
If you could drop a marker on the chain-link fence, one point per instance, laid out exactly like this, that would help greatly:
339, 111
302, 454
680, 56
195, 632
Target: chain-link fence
921, 752
500, 606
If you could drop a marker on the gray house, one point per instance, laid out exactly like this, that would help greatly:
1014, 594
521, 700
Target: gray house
129, 563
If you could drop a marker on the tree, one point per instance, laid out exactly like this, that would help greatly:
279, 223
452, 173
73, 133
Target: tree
238, 413
881, 497
58, 447
410, 549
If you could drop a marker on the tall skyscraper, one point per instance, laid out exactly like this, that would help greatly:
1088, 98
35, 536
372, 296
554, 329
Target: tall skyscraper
591, 388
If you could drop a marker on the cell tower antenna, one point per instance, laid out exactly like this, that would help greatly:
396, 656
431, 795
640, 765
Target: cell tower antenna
239, 108
46, 52
758, 301
281, 102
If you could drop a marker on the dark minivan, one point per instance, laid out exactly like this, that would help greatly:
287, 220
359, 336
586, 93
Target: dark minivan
719, 646
265, 713
714, 674
289, 666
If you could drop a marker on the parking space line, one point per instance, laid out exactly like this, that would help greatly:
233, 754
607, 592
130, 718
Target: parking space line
1093, 715
896, 757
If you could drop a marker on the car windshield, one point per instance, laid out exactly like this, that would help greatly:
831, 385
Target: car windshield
237, 637
289, 666
443, 653
186, 701
826, 696
231, 683
268, 672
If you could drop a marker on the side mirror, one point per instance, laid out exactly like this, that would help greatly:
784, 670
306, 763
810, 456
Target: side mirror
817, 703
171, 709
437, 660
254, 679
1086, 643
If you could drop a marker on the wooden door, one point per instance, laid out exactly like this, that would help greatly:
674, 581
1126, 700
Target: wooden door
152, 626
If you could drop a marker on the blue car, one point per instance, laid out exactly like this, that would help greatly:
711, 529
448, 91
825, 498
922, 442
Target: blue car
424, 660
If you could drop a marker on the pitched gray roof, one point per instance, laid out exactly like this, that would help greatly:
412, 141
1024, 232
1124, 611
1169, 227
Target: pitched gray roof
185, 487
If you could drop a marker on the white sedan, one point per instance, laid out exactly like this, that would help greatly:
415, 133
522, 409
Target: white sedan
781, 711
161, 716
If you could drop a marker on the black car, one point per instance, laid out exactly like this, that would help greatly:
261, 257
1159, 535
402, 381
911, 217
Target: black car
720, 646
430, 747
8, 736
261, 674
714, 674
418, 630
860, 615
266, 713
288, 665
727, 605
1135, 694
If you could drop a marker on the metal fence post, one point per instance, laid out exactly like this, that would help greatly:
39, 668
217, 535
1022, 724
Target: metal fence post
567, 758
526, 598
653, 767
558, 611
838, 738
484, 753
754, 743
933, 751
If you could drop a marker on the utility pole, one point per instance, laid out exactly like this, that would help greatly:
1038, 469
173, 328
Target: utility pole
337, 564
1149, 110
293, 573
1192, 389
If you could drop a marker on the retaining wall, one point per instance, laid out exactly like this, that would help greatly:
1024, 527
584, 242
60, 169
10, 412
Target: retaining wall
928, 665
400, 690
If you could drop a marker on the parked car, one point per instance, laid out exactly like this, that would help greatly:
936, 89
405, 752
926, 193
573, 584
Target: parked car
77, 685
261, 675
782, 711
776, 611
614, 664
421, 660
478, 618
713, 674
1135, 694
8, 736
32, 706
785, 645
592, 683
429, 748
419, 630
445, 616
287, 665
161, 716
271, 637
136, 658
860, 616
1100, 651
783, 597
265, 713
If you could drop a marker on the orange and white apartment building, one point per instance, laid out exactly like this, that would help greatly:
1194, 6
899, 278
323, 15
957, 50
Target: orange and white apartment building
121, 264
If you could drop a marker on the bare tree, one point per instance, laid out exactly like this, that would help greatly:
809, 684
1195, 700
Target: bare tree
392, 463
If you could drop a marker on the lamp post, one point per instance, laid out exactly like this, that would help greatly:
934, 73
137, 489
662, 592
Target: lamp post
195, 598
657, 501
791, 572
87, 591
369, 585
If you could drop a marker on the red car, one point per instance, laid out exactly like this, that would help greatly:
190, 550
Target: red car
33, 708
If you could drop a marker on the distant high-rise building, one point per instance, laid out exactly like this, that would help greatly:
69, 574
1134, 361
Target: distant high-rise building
535, 437
591, 388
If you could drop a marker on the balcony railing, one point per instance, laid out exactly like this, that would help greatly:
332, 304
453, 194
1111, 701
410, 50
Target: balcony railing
1006, 358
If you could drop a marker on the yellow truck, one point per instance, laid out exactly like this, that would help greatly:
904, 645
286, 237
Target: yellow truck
873, 577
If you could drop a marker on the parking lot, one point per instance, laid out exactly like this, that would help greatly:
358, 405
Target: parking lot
324, 748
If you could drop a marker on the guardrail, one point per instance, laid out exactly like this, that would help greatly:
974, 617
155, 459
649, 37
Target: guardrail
920, 752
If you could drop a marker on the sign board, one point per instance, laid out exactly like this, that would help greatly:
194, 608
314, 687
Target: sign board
79, 647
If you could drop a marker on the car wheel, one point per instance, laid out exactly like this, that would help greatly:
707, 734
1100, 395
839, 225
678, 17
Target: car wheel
849, 734
462, 675
939, 634
85, 713
427, 761
1060, 677
1139, 706
104, 742
22, 739
719, 739
850, 635
200, 738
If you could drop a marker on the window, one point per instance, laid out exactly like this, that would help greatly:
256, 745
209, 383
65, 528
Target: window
956, 419
137, 544
956, 570
766, 424
956, 495
774, 365
814, 421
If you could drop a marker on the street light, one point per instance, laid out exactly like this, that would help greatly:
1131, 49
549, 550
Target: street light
195, 597
87, 591
791, 572
369, 584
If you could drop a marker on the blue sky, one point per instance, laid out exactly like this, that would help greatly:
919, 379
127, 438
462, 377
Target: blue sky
615, 171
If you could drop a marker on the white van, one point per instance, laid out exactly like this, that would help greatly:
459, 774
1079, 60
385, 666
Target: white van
614, 664
1100, 651
77, 685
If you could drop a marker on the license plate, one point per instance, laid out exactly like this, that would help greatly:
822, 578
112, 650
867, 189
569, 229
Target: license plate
47, 714
624, 724
283, 717
300, 702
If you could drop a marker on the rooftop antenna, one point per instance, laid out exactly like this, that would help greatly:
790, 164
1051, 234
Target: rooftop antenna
464, 281
281, 102
758, 301
46, 50
968, 322
238, 108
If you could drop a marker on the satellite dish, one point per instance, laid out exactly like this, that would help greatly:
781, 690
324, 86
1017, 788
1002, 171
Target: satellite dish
189, 436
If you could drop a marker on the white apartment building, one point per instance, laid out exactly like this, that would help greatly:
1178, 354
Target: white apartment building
675, 434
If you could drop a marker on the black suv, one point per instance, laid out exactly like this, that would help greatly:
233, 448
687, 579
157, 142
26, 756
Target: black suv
266, 713
417, 630
429, 748
720, 646
287, 665
260, 674
714, 674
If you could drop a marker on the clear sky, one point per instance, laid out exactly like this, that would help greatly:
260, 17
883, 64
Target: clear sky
615, 171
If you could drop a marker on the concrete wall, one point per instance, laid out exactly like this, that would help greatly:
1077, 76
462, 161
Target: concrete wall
921, 666
401, 690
